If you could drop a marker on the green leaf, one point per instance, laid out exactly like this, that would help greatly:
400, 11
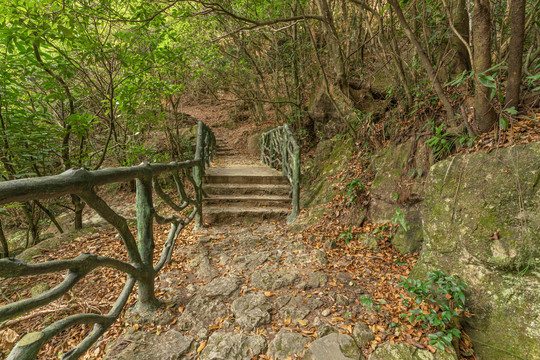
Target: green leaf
511, 110
503, 123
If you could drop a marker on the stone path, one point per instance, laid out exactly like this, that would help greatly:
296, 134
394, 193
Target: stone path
255, 293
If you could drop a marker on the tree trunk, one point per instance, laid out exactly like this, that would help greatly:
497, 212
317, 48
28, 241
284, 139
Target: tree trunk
425, 62
515, 56
484, 113
78, 206
461, 23
3, 242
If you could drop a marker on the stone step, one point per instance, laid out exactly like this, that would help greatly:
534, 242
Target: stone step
230, 215
247, 189
248, 201
244, 174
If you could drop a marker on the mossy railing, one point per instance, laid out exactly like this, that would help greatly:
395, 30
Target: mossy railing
140, 249
280, 150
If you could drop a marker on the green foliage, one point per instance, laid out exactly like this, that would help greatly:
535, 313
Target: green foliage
366, 301
400, 219
353, 187
348, 236
445, 296
443, 143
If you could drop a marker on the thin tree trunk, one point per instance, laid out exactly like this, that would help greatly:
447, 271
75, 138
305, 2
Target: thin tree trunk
425, 62
3, 242
515, 57
484, 113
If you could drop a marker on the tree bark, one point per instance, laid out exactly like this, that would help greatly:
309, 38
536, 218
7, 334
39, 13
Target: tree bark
461, 23
3, 242
515, 56
425, 62
484, 113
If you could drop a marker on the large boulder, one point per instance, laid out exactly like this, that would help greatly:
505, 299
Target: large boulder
331, 157
399, 185
481, 222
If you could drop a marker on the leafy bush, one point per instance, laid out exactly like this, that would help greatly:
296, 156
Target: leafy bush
444, 295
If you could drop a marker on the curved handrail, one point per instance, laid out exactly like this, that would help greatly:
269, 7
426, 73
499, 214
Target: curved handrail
140, 268
280, 150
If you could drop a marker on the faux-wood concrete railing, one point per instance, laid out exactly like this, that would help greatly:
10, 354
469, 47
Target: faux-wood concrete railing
140, 269
280, 150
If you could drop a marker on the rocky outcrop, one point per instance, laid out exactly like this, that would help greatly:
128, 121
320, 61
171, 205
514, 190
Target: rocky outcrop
399, 184
481, 221
331, 157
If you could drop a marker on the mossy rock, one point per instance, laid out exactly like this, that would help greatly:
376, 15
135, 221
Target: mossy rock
393, 166
481, 222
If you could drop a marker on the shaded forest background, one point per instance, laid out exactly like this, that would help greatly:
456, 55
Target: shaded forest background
89, 83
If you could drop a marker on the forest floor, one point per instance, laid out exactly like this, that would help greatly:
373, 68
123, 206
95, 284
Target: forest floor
254, 280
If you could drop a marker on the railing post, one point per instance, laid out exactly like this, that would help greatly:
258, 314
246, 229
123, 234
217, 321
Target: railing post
145, 240
198, 173
295, 185
198, 177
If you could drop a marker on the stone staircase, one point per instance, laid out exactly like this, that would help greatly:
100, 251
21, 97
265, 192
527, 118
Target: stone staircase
240, 190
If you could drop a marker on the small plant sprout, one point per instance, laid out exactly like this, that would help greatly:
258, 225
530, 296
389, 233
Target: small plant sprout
347, 235
400, 219
352, 190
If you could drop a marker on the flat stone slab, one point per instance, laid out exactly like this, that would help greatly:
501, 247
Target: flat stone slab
252, 311
401, 351
287, 344
223, 287
201, 312
223, 346
297, 307
146, 346
334, 346
269, 280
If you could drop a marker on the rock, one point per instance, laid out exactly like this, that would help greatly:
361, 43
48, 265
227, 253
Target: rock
325, 312
233, 346
321, 257
393, 166
331, 156
401, 351
297, 307
341, 300
39, 289
201, 312
252, 311
369, 241
325, 329
287, 344
330, 244
223, 287
267, 280
362, 334
203, 334
317, 279
146, 346
481, 222
254, 144
334, 346
252, 261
